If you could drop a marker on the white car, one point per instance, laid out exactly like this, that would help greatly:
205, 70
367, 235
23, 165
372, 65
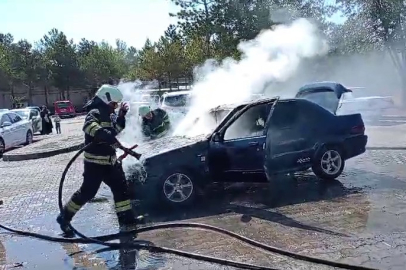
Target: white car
176, 102
33, 115
340, 100
14, 131
368, 106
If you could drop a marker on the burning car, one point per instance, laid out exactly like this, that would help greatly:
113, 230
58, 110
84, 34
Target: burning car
254, 142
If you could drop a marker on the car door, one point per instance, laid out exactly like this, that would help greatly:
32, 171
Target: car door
287, 137
240, 150
6, 132
35, 119
19, 128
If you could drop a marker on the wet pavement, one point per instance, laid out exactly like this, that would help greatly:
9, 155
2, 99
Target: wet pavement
358, 219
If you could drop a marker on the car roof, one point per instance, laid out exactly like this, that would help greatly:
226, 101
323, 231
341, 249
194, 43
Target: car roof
335, 87
171, 94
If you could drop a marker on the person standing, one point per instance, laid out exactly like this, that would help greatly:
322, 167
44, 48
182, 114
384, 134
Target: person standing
57, 121
46, 121
101, 127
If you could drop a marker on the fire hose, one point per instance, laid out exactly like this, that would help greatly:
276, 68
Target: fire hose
104, 239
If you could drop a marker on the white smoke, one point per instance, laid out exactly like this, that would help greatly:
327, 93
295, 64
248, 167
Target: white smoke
132, 133
273, 56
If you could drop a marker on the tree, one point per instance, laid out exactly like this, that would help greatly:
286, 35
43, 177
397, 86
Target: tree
385, 26
64, 64
195, 17
172, 58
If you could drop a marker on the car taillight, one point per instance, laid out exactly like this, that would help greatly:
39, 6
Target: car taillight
360, 129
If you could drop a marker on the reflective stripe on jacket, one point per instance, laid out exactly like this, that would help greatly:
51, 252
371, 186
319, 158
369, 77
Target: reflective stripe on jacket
102, 127
101, 160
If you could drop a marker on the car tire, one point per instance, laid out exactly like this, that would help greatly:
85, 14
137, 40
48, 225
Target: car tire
2, 147
28, 138
177, 189
328, 163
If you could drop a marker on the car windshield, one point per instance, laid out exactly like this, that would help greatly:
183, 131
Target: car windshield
22, 113
63, 104
176, 101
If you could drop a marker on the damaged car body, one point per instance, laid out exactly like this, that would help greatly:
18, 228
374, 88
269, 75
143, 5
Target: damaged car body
254, 142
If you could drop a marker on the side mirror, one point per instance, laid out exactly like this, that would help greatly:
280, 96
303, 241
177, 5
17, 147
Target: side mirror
6, 124
216, 137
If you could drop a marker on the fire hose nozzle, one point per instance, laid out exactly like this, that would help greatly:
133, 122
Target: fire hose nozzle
130, 152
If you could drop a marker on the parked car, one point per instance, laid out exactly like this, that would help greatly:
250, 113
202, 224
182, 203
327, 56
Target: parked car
341, 100
33, 115
254, 142
152, 100
34, 108
14, 131
3, 110
176, 102
64, 108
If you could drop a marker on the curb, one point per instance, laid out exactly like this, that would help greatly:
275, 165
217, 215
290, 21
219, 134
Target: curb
386, 148
39, 155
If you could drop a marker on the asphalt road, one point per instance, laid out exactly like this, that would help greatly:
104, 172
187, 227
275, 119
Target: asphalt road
358, 219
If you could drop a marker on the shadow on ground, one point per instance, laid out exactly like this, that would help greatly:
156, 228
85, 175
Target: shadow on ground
256, 200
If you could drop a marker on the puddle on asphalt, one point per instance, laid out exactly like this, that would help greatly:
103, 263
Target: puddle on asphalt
31, 253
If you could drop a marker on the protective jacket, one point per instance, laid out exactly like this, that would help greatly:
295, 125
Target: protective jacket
101, 126
157, 124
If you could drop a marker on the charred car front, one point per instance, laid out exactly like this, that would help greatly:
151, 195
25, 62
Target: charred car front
253, 142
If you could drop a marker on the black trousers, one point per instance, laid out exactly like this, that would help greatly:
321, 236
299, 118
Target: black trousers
58, 128
93, 176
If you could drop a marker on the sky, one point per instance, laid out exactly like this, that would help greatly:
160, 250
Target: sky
132, 21
129, 20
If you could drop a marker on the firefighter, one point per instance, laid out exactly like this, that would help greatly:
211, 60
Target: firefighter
101, 126
155, 123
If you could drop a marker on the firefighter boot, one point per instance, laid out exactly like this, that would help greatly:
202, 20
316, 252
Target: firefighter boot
128, 222
64, 220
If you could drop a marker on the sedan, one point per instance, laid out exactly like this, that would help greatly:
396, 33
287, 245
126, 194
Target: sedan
32, 115
14, 131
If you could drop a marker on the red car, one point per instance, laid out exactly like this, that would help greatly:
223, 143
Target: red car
64, 108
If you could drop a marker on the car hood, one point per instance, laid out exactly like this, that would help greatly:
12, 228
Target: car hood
168, 144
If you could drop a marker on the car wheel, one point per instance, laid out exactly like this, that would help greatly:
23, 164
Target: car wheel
2, 147
28, 138
177, 189
329, 163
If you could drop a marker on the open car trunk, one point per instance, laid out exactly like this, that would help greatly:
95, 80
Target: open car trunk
326, 94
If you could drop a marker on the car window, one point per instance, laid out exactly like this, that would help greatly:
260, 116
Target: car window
63, 105
14, 117
176, 101
22, 113
5, 118
250, 124
327, 99
35, 112
286, 114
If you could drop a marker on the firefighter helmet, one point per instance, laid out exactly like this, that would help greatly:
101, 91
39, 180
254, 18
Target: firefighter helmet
109, 93
144, 110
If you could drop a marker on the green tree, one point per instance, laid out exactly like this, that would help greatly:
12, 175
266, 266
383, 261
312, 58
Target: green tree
384, 27
63, 60
196, 17
172, 58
